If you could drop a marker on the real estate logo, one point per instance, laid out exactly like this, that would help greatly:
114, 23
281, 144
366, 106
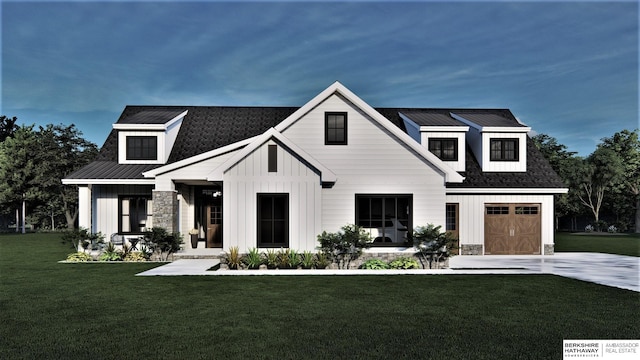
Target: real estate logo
601, 349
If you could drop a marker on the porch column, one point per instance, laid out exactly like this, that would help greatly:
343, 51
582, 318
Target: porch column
165, 210
84, 207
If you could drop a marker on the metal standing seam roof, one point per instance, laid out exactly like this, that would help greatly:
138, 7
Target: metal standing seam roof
207, 128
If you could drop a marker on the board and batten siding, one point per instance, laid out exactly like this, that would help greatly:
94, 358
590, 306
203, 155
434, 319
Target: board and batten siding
472, 208
249, 177
105, 205
372, 162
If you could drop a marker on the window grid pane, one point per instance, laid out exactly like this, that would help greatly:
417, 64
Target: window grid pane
335, 128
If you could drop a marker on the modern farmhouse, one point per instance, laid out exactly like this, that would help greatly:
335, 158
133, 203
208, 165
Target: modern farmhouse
276, 177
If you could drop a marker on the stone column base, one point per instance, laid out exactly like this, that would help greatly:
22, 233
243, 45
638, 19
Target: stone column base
468, 249
548, 249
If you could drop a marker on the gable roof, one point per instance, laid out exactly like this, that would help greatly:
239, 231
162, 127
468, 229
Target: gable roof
326, 175
207, 131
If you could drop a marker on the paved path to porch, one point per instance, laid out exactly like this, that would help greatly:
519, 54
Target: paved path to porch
606, 269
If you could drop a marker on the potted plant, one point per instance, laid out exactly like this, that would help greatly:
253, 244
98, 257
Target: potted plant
194, 238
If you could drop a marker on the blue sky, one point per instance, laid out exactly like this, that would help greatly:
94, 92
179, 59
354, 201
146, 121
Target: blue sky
567, 69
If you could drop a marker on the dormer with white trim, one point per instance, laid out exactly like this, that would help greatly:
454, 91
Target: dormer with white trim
440, 134
498, 143
147, 137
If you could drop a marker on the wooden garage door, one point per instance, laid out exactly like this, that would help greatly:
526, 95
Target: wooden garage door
512, 229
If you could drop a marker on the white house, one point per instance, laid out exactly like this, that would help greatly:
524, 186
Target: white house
272, 177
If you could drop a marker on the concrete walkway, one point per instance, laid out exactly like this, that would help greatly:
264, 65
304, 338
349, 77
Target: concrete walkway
611, 270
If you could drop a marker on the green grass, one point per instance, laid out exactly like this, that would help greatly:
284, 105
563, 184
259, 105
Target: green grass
102, 311
608, 244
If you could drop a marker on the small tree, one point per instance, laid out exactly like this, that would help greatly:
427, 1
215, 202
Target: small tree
432, 244
344, 246
162, 243
82, 238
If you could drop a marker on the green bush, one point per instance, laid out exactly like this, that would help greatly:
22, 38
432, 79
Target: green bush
344, 246
307, 260
79, 257
111, 253
271, 259
253, 259
374, 264
321, 261
404, 263
81, 237
160, 242
135, 256
294, 259
284, 261
432, 244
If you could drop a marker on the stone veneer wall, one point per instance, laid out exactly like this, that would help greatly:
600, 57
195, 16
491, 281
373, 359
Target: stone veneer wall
466, 249
165, 210
549, 249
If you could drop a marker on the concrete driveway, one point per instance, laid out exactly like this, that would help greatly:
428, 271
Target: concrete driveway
606, 269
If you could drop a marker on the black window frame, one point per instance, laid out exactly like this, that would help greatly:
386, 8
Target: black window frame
440, 152
329, 136
263, 221
142, 148
135, 220
501, 154
406, 220
272, 151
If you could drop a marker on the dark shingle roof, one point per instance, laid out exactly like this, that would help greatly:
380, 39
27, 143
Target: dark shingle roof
539, 173
207, 128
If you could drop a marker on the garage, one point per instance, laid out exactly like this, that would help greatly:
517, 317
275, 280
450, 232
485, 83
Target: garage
512, 229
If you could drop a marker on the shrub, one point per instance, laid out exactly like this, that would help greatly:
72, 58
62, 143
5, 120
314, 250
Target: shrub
253, 259
321, 261
307, 260
135, 256
588, 228
374, 264
79, 257
111, 253
283, 261
233, 258
159, 241
344, 246
81, 237
612, 229
432, 244
271, 259
294, 259
404, 263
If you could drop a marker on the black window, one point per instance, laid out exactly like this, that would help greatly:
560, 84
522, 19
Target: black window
273, 158
386, 217
452, 217
504, 150
273, 220
142, 148
135, 214
335, 128
444, 149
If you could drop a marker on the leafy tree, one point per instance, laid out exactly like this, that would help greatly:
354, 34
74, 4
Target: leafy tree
17, 171
566, 164
602, 170
32, 164
7, 127
624, 197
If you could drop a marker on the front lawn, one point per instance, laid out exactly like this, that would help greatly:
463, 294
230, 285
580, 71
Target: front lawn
102, 311
628, 244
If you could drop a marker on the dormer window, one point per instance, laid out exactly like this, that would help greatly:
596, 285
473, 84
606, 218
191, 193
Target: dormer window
504, 150
335, 128
142, 148
445, 149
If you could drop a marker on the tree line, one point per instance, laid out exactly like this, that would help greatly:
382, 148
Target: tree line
603, 187
33, 160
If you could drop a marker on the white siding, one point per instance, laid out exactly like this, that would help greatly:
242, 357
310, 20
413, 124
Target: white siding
249, 177
373, 162
458, 165
471, 214
510, 166
105, 205
196, 171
